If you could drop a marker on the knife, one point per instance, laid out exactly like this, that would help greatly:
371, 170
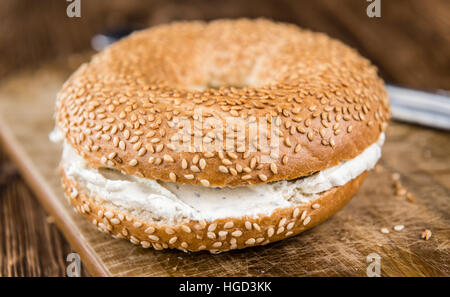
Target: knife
407, 105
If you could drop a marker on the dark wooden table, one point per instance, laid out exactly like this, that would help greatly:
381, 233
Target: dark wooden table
410, 43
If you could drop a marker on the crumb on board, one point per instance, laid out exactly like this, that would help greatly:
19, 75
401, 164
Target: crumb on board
399, 227
426, 234
384, 230
410, 197
400, 190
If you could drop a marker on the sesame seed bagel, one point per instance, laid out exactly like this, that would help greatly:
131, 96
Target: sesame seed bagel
122, 110
215, 236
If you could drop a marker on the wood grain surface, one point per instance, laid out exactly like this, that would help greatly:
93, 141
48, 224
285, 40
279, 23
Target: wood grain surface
410, 44
31, 245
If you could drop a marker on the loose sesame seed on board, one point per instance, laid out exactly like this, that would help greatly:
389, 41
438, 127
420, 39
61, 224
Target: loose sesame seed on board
426, 234
399, 227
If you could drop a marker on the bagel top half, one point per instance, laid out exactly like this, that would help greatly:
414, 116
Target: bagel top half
323, 101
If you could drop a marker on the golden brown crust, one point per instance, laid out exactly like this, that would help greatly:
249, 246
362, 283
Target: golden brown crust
121, 109
216, 236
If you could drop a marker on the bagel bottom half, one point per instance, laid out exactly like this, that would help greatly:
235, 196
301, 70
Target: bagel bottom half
215, 236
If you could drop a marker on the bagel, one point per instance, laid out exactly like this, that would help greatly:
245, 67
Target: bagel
220, 135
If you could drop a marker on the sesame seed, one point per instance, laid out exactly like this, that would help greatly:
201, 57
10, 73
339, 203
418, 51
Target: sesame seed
202, 164
168, 158
159, 147
399, 227
134, 139
316, 206
426, 234
270, 231
173, 177
226, 162
236, 233
153, 237
150, 230
142, 152
212, 227
199, 226
232, 155
145, 244
223, 169
184, 164
217, 244
204, 182
250, 241
306, 221
208, 155
228, 225
115, 221
303, 215
262, 177
133, 162
273, 168
134, 240
233, 171
287, 142
186, 229
257, 227
301, 130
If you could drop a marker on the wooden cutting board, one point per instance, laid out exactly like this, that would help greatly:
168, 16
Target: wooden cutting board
338, 247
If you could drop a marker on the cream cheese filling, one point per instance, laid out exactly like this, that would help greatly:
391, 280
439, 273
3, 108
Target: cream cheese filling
171, 202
